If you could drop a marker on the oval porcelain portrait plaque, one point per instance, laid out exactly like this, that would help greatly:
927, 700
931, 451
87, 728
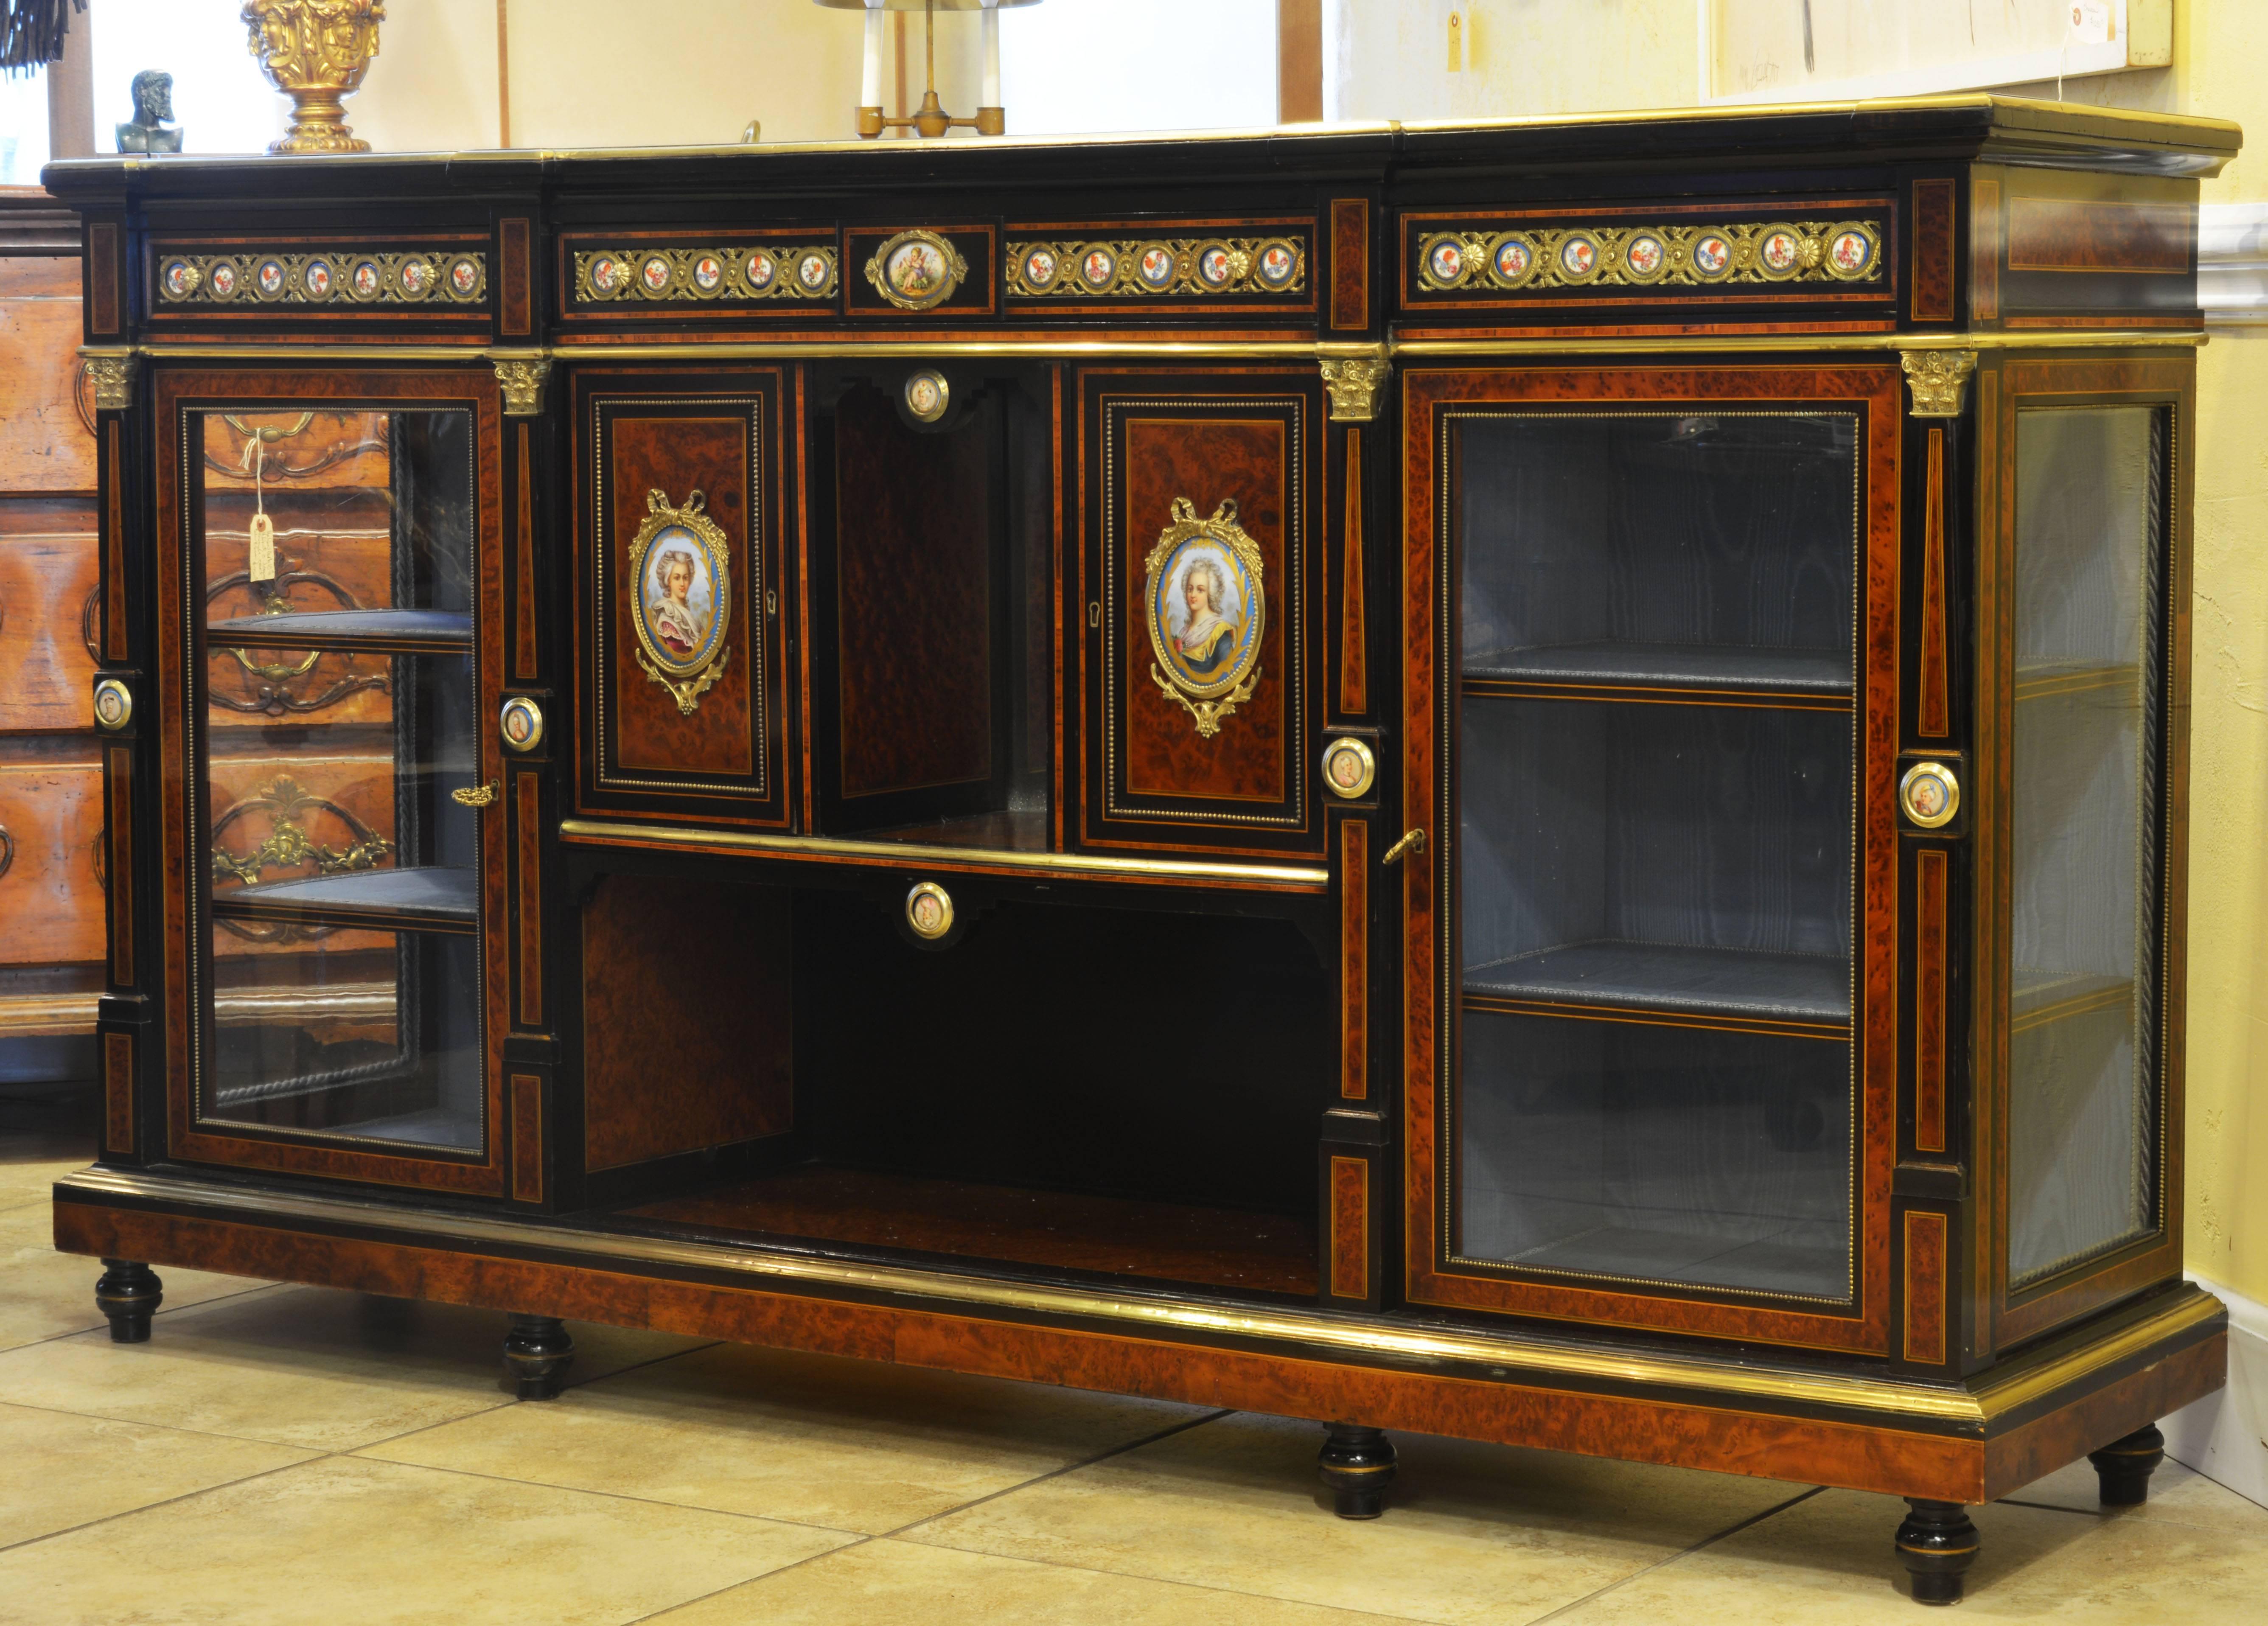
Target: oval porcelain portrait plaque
681, 577
1207, 609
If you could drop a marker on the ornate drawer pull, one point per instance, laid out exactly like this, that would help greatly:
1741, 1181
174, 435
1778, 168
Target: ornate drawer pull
1415, 842
474, 795
7, 850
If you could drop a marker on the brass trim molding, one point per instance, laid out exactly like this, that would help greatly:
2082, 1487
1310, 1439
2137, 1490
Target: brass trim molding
1070, 348
915, 854
1518, 1355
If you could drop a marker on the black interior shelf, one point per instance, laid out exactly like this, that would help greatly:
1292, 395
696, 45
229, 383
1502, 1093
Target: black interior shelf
1741, 983
1619, 665
377, 632
407, 899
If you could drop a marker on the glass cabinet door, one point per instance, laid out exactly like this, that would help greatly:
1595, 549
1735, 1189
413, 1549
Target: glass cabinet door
2087, 921
1649, 703
336, 698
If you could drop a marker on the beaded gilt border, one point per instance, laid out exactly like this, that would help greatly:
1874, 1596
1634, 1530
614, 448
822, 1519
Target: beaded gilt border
1107, 268
323, 276
747, 271
1503, 259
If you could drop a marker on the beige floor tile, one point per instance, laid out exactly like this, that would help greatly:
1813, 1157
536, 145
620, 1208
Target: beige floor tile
65, 1470
2177, 1493
1473, 1534
1827, 1562
43, 1293
344, 1539
883, 1583
303, 1366
30, 1165
854, 1445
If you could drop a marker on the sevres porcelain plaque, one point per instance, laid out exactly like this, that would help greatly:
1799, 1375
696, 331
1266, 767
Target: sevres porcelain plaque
916, 270
680, 570
1206, 609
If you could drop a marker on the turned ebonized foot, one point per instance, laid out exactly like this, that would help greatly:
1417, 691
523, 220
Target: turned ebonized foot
129, 1293
1357, 1463
2123, 1467
536, 1352
1937, 1544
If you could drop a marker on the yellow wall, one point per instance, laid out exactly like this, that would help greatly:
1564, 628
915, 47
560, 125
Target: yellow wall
594, 72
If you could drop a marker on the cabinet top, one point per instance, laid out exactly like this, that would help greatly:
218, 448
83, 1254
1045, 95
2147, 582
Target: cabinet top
1942, 128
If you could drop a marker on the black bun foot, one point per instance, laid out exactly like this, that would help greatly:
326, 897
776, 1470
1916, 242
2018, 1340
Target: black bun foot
130, 1294
536, 1354
1356, 1464
1937, 1544
2123, 1467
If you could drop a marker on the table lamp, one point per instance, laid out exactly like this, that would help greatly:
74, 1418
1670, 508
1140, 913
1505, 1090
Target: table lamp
930, 119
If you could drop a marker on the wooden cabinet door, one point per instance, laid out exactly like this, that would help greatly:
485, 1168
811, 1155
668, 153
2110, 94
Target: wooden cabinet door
1200, 685
1650, 691
333, 864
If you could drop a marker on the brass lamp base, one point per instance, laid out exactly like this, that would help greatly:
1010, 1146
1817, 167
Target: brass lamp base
931, 120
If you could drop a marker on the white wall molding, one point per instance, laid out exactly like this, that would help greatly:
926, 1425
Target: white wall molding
2225, 1435
2233, 264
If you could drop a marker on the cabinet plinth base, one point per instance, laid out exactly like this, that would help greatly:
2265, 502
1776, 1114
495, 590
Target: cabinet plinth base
1937, 1544
2123, 1467
537, 1352
130, 1294
1357, 1464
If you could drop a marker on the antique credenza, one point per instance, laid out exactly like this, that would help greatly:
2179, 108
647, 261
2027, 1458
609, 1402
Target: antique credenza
1518, 780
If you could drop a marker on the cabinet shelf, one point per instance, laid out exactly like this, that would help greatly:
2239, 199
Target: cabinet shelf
2038, 997
1741, 674
1796, 992
409, 899
2041, 680
1162, 1242
374, 632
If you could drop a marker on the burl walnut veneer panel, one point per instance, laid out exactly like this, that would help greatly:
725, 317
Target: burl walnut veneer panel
913, 600
685, 1018
677, 456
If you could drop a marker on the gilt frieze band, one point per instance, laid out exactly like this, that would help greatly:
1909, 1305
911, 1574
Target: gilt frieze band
1126, 267
669, 275
342, 275
1498, 260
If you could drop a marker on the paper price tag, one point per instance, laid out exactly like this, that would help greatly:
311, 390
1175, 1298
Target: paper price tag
2090, 23
261, 565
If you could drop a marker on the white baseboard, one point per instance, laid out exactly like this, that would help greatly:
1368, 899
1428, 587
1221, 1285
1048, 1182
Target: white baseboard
2225, 1435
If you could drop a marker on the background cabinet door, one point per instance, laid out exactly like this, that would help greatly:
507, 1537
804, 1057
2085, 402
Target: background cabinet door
1652, 692
329, 678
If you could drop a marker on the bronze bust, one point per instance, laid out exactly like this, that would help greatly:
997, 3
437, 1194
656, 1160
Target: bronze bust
152, 129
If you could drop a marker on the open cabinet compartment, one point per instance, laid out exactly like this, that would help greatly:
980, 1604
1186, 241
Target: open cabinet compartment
890, 1095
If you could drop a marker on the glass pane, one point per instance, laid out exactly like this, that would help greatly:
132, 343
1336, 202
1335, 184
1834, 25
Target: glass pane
370, 1034
340, 711
1655, 847
2082, 1144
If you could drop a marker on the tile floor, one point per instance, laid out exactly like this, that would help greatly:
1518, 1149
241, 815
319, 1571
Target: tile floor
285, 1454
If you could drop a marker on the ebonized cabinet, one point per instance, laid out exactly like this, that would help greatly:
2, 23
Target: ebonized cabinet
1521, 780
